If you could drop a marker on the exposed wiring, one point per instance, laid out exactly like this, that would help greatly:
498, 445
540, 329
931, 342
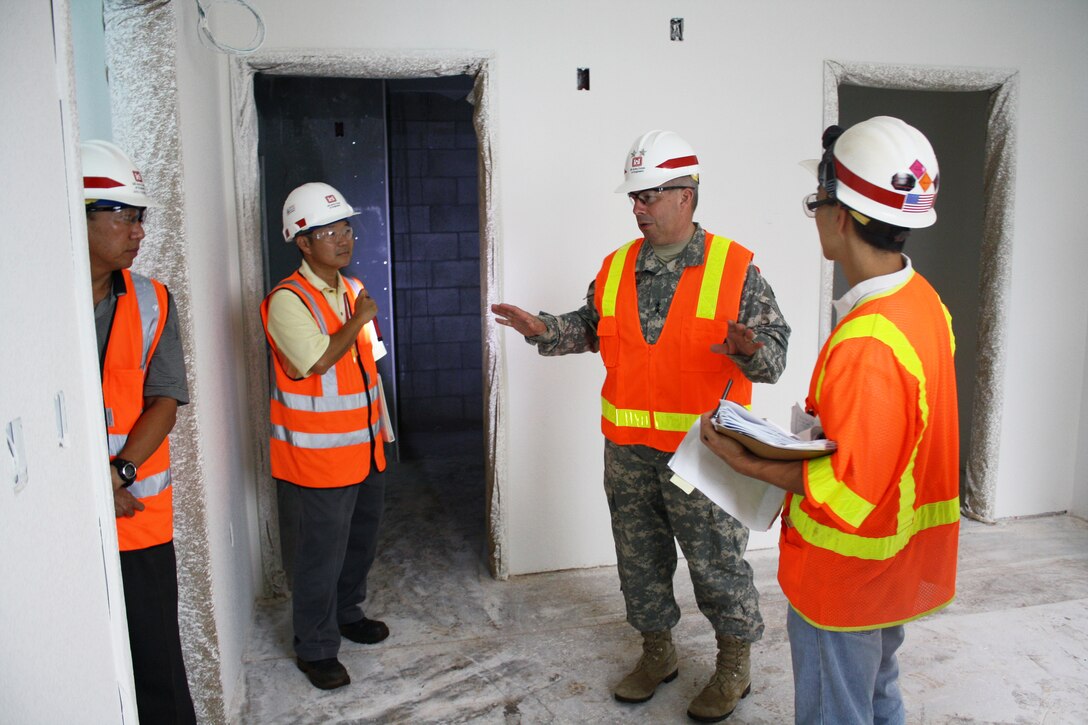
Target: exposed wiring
208, 38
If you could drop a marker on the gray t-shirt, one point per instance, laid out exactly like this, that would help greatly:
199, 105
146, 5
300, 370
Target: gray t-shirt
166, 369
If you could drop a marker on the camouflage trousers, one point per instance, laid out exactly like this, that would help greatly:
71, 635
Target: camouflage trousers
648, 512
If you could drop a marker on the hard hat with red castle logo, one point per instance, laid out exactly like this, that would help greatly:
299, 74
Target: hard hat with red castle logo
657, 157
312, 205
109, 176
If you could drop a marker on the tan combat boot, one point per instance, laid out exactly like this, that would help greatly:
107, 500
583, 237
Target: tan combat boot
657, 665
732, 681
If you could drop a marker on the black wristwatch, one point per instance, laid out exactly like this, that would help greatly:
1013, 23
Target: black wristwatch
126, 470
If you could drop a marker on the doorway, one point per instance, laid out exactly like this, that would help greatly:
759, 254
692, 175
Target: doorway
253, 215
404, 154
947, 254
988, 98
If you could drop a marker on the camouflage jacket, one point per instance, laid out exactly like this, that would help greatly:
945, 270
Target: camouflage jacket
656, 281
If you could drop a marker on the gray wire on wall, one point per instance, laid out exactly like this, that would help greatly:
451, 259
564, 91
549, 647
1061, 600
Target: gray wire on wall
208, 38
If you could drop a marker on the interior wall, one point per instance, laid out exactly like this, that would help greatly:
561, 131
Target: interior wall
62, 608
436, 268
558, 155
749, 102
226, 457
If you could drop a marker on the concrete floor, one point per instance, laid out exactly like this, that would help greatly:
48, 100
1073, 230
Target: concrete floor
546, 648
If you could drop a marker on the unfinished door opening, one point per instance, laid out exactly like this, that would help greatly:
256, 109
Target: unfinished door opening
969, 118
946, 254
404, 153
426, 238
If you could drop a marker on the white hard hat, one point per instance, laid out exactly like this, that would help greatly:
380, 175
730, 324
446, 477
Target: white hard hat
655, 158
110, 176
313, 205
883, 168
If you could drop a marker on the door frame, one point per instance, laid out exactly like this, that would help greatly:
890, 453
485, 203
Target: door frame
249, 205
995, 265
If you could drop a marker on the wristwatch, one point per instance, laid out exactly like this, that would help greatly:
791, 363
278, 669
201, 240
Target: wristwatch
126, 470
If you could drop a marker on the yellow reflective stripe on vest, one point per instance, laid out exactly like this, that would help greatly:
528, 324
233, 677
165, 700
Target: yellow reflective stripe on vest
675, 422
631, 418
612, 283
951, 335
884, 330
827, 490
714, 268
846, 504
624, 417
938, 513
712, 278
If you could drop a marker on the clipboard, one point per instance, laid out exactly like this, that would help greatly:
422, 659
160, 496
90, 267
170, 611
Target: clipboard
764, 450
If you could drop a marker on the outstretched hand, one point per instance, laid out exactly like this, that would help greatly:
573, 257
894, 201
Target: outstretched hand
739, 340
517, 318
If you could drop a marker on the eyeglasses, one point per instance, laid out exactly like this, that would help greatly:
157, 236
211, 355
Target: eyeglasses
329, 234
810, 204
122, 214
648, 197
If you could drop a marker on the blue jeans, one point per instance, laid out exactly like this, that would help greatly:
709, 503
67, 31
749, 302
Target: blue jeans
842, 678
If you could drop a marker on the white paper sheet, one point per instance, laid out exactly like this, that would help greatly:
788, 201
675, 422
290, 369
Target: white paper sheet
752, 502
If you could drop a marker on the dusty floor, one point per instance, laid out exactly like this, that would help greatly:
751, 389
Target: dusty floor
1012, 648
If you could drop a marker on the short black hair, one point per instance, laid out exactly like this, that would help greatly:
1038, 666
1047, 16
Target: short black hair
875, 233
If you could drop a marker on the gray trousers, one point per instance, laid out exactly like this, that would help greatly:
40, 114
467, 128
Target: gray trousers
648, 513
333, 535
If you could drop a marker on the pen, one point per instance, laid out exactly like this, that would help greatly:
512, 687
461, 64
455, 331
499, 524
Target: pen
725, 393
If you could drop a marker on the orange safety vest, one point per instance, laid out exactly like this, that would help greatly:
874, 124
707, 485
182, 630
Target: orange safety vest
325, 428
138, 322
653, 394
873, 541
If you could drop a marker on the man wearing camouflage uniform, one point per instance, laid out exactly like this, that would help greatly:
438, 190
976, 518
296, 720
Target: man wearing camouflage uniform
664, 368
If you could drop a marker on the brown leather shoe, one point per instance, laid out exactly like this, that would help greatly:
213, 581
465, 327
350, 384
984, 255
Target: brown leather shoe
324, 674
365, 631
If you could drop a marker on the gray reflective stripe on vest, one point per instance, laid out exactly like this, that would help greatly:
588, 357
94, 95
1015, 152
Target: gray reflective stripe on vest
145, 486
329, 384
324, 403
325, 440
150, 486
148, 303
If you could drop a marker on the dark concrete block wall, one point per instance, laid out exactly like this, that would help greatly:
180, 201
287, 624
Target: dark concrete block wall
436, 263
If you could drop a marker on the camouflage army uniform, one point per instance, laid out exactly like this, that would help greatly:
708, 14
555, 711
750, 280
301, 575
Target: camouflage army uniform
647, 510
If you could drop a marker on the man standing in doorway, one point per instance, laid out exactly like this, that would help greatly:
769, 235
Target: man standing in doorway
679, 316
326, 431
143, 383
870, 532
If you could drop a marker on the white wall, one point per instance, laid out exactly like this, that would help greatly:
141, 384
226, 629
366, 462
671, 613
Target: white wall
745, 88
217, 364
62, 613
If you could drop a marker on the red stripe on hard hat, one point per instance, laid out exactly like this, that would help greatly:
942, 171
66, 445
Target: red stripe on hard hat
100, 182
867, 189
678, 162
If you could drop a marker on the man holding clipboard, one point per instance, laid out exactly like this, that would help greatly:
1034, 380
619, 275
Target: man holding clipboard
869, 533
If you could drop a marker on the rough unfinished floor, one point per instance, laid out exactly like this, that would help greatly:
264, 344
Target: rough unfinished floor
546, 648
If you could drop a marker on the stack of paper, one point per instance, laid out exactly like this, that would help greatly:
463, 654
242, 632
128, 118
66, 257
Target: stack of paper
754, 503
763, 437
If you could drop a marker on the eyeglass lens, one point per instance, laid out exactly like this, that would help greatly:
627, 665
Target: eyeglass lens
648, 197
332, 233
